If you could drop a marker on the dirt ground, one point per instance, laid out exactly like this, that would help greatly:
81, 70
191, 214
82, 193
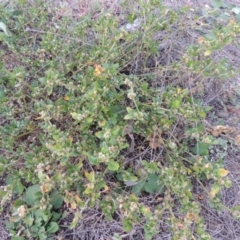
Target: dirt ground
195, 3
221, 226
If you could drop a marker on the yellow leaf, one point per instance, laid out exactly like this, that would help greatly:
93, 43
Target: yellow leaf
38, 118
78, 199
215, 189
222, 172
207, 53
48, 179
90, 176
98, 70
179, 90
73, 205
66, 98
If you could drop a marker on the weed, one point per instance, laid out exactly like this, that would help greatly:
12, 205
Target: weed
85, 96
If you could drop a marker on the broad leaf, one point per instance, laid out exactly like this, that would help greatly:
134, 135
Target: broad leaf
33, 195
137, 189
56, 200
201, 149
4, 28
222, 172
127, 225
214, 190
218, 3
113, 166
152, 185
53, 227
90, 176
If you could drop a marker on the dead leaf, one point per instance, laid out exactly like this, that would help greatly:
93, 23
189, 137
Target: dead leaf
219, 129
159, 199
233, 110
180, 225
200, 197
200, 40
45, 188
156, 140
90, 63
191, 216
237, 139
223, 114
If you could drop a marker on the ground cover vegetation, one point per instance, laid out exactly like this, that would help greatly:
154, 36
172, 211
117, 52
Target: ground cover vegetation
106, 111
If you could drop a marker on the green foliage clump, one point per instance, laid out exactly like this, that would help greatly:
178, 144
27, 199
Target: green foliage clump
80, 107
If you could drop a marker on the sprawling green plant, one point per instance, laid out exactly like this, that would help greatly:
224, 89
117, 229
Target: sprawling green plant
74, 103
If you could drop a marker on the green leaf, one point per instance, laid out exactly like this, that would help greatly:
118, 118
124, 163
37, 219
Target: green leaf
4, 28
38, 222
130, 114
115, 109
35, 229
53, 227
90, 176
19, 188
42, 216
176, 103
113, 166
18, 203
63, 161
17, 12
215, 189
150, 229
137, 189
129, 178
2, 93
129, 117
56, 216
152, 185
32, 195
237, 17
28, 220
56, 199
202, 114
49, 90
17, 238
218, 4
127, 225
42, 236
17, 184
201, 149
